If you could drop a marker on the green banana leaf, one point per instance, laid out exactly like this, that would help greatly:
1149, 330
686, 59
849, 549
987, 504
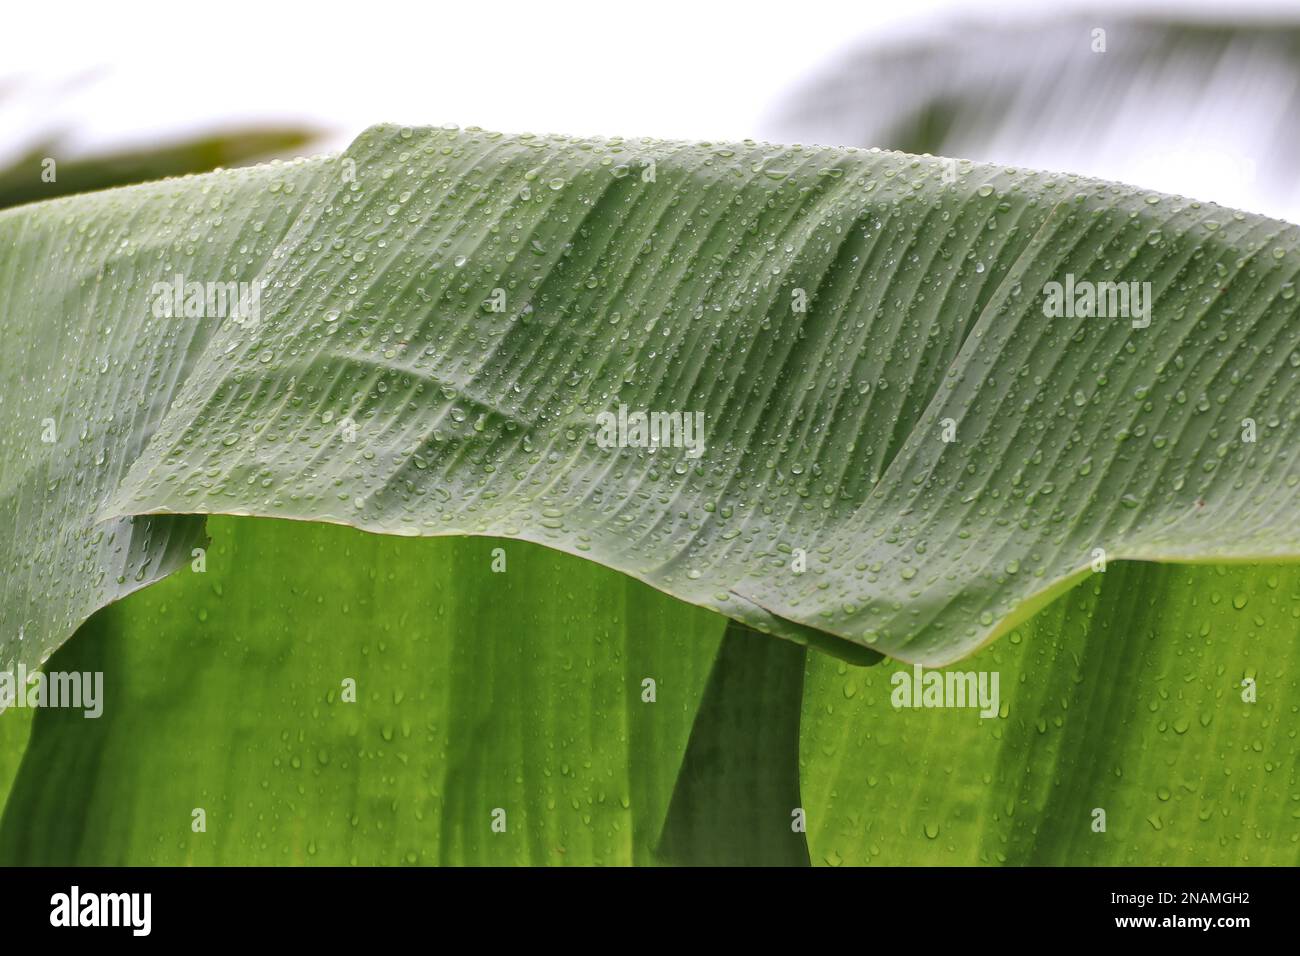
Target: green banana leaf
21, 181
826, 427
519, 689
523, 689
902, 453
1128, 695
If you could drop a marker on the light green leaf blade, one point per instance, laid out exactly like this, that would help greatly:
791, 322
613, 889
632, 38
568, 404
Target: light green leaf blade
475, 690
1124, 696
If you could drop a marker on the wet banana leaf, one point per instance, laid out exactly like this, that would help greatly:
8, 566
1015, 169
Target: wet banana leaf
327, 697
902, 424
1148, 717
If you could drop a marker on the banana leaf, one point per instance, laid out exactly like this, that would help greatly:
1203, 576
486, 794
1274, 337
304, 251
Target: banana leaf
912, 436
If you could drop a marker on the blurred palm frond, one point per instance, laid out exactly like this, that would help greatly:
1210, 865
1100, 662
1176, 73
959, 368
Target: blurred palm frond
1203, 107
21, 181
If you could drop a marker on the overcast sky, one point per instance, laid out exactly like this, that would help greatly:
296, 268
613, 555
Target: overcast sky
700, 69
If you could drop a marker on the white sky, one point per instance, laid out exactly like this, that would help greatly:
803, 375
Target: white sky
701, 69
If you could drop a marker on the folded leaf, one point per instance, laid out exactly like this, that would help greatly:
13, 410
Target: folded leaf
896, 448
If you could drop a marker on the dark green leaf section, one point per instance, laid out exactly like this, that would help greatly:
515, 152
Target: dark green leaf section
476, 690
736, 802
15, 725
1126, 696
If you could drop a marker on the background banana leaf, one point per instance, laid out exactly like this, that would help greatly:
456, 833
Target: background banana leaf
523, 690
1203, 105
